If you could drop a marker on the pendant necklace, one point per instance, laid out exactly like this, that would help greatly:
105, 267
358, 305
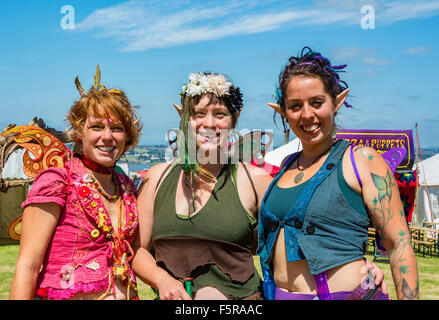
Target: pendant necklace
202, 186
300, 175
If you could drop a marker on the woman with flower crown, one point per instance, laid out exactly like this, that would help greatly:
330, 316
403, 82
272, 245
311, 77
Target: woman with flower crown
198, 214
312, 245
79, 220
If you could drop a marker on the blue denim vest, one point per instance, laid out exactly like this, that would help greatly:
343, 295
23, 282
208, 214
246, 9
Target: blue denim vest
320, 226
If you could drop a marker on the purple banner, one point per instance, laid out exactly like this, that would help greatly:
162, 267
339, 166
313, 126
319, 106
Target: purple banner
382, 141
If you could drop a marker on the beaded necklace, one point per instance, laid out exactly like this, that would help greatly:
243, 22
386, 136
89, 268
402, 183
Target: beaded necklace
102, 191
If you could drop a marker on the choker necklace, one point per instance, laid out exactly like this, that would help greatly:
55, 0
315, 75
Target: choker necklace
300, 175
94, 166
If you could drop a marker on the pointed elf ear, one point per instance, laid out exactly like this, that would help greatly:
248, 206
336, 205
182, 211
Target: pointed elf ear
340, 99
178, 108
277, 108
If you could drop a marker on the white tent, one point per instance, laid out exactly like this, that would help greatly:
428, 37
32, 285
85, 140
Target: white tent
427, 207
13, 168
275, 157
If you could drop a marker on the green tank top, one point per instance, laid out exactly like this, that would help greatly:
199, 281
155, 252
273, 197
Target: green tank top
222, 223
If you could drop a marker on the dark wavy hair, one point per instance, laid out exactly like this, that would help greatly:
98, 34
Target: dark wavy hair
311, 63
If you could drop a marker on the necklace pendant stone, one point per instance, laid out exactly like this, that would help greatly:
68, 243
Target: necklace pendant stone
298, 177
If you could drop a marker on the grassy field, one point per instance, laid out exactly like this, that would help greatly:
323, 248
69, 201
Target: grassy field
428, 275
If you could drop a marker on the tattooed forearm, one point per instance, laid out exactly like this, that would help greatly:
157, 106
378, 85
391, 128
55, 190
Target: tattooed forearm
409, 293
390, 223
400, 264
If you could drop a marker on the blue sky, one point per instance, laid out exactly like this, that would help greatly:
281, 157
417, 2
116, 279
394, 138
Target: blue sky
148, 48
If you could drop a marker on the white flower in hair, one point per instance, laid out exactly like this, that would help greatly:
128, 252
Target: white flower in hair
212, 83
219, 85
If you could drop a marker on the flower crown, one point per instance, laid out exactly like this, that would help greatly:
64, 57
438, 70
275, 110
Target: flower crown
200, 83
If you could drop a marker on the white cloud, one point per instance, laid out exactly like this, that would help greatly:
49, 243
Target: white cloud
348, 5
407, 10
144, 24
345, 53
366, 56
377, 61
164, 37
418, 50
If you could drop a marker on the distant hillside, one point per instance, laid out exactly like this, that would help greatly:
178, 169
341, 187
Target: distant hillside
147, 154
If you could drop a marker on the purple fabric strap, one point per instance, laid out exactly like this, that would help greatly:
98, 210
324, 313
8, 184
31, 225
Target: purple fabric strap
322, 286
355, 166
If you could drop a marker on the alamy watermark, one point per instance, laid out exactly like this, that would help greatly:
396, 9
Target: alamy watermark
226, 146
68, 20
368, 19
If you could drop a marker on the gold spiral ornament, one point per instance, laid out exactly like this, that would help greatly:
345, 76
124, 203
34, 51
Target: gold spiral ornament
43, 149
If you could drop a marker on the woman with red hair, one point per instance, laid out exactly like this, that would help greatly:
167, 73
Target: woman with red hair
79, 220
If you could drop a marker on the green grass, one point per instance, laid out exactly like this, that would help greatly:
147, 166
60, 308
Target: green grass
428, 275
8, 258
428, 268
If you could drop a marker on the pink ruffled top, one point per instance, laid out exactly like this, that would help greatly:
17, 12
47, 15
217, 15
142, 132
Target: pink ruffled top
83, 255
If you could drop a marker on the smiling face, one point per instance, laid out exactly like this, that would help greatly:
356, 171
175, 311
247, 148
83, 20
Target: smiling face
211, 123
309, 110
103, 140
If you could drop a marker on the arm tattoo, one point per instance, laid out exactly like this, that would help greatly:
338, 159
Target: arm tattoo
382, 214
409, 294
364, 152
382, 211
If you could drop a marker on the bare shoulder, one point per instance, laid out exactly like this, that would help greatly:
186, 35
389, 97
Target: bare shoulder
252, 184
366, 152
254, 170
156, 171
368, 158
261, 179
153, 175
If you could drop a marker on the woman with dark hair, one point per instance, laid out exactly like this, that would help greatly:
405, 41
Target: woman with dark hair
198, 214
312, 245
79, 220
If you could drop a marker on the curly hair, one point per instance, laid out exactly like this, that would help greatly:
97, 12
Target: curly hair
311, 63
105, 104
